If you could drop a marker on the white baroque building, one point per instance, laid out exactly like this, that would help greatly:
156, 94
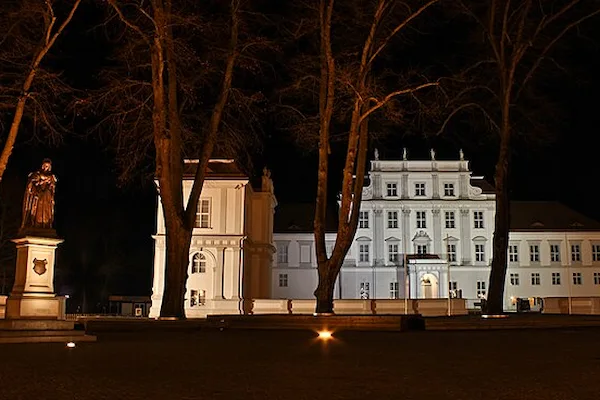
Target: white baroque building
437, 219
232, 244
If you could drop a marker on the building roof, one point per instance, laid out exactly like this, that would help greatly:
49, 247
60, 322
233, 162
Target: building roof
481, 183
217, 168
299, 218
548, 216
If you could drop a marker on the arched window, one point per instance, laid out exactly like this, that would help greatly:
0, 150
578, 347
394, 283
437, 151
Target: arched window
198, 263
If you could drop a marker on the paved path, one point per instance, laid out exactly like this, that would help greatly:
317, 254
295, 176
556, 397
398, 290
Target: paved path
239, 364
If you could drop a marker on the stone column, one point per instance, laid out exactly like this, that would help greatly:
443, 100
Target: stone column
218, 275
414, 283
33, 294
436, 186
378, 237
465, 237
404, 187
437, 231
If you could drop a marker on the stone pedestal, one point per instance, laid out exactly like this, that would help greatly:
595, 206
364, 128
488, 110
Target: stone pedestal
33, 296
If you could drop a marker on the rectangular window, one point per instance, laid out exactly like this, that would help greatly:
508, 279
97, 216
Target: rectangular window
535, 279
450, 220
481, 289
203, 214
449, 189
193, 298
554, 253
197, 298
596, 252
363, 253
364, 290
419, 189
422, 249
577, 279
393, 255
451, 251
556, 278
201, 297
453, 289
514, 279
596, 278
575, 253
392, 189
478, 219
392, 219
394, 292
363, 219
534, 253
513, 253
421, 221
283, 280
282, 253
305, 250
480, 252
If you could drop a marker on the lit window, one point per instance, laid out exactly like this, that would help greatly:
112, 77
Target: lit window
451, 251
575, 253
393, 255
449, 189
392, 189
596, 278
596, 252
419, 189
394, 292
453, 289
535, 279
480, 252
513, 253
481, 292
363, 219
514, 279
450, 220
282, 253
392, 219
554, 253
203, 214
421, 221
197, 298
534, 253
198, 263
283, 280
577, 278
363, 253
478, 219
556, 278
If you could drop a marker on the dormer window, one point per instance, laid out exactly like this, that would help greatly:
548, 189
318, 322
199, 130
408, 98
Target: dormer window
449, 189
392, 189
420, 189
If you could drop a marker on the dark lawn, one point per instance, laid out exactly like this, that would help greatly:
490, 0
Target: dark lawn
237, 364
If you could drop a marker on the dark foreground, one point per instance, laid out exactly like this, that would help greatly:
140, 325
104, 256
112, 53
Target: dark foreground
240, 364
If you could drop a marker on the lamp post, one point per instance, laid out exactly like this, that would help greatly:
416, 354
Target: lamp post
568, 273
406, 284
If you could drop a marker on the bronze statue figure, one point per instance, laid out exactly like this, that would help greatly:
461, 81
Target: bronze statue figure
38, 204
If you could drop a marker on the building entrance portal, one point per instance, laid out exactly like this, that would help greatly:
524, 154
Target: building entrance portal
429, 287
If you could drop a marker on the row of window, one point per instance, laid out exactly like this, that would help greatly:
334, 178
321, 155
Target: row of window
534, 253
421, 219
556, 278
392, 189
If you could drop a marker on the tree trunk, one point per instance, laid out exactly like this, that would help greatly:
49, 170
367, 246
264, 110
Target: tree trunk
178, 241
495, 298
325, 288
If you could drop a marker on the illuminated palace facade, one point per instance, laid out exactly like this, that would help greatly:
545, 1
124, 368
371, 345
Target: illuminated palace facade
425, 231
436, 219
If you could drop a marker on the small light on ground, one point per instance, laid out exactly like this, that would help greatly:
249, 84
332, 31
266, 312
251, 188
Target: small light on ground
325, 335
70, 345
494, 316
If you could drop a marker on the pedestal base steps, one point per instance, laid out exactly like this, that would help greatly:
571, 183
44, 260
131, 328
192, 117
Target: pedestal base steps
41, 331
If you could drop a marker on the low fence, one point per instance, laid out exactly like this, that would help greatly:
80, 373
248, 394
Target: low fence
3, 306
572, 305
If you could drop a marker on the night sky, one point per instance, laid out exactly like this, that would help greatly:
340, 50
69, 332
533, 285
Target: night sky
107, 227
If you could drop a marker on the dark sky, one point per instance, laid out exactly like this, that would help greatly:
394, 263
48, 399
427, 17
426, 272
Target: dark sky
107, 228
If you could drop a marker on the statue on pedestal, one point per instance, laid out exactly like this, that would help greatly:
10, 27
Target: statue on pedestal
38, 203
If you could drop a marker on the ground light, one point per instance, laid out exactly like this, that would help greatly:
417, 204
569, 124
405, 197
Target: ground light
71, 345
325, 335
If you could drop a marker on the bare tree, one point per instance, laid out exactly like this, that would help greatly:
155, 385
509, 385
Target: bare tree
162, 102
351, 86
518, 39
31, 29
